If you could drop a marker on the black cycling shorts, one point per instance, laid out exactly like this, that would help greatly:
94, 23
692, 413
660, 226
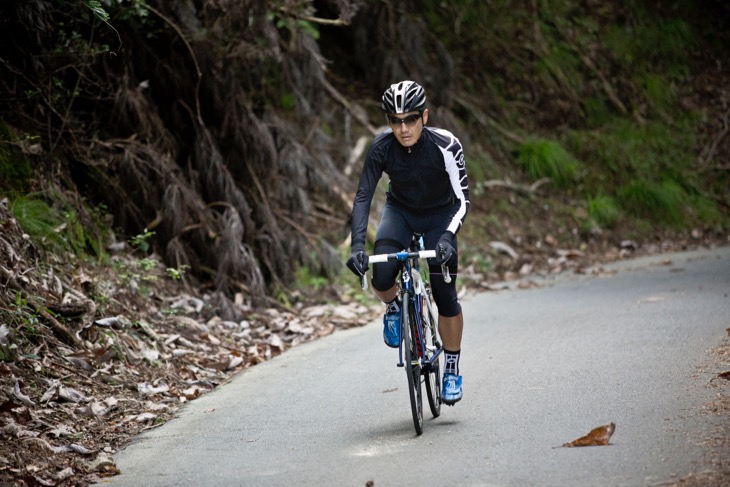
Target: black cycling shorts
396, 228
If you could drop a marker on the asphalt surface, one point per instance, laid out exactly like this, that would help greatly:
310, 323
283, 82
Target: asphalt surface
541, 367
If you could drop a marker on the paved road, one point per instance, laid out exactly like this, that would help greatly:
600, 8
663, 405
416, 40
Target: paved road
541, 368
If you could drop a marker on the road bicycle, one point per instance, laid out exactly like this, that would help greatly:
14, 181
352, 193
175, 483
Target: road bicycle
420, 348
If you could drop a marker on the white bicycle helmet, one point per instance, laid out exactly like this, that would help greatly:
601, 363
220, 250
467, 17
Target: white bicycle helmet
404, 97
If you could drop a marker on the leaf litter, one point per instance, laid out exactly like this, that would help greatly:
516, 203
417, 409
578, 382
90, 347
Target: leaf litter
76, 389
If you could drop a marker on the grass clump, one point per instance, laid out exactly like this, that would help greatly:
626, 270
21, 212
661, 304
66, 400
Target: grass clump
542, 158
56, 227
306, 279
650, 43
603, 211
661, 202
45, 225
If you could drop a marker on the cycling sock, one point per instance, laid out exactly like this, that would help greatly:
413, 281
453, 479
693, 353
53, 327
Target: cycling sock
392, 307
452, 362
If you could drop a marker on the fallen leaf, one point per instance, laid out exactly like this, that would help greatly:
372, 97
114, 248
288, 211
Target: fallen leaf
629, 245
115, 322
51, 393
150, 354
191, 393
4, 334
5, 370
62, 430
80, 362
503, 248
102, 463
40, 480
19, 394
69, 394
724, 375
111, 401
234, 362
294, 327
14, 429
145, 417
79, 449
94, 409
276, 341
146, 389
597, 437
64, 474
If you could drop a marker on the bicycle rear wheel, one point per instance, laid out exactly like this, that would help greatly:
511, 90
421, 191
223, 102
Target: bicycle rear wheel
412, 363
432, 371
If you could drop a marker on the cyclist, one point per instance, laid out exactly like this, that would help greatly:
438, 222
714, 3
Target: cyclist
428, 193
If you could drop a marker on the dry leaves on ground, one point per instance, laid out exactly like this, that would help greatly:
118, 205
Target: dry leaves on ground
597, 437
76, 389
65, 411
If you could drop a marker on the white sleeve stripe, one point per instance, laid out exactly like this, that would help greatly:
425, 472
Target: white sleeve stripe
457, 175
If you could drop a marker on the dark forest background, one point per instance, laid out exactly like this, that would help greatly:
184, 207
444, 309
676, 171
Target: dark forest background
226, 135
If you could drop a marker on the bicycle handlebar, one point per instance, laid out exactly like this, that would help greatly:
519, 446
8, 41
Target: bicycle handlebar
401, 256
421, 254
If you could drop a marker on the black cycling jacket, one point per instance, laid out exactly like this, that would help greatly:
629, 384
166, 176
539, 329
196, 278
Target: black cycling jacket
430, 176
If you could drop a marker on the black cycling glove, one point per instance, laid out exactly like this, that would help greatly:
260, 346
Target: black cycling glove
445, 248
358, 263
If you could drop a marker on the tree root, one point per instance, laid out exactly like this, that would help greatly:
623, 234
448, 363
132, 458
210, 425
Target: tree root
58, 328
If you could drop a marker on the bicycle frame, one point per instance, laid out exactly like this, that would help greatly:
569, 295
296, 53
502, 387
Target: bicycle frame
420, 291
412, 290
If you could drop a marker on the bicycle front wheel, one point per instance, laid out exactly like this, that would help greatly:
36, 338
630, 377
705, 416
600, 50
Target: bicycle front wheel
412, 363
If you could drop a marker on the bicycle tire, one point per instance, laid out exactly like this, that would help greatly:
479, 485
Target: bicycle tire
433, 371
412, 364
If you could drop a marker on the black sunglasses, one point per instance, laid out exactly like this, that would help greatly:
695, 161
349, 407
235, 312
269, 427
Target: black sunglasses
410, 120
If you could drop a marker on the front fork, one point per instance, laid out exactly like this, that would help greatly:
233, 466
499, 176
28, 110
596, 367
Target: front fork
405, 302
413, 298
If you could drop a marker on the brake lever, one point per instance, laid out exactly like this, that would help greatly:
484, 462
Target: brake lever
364, 281
445, 272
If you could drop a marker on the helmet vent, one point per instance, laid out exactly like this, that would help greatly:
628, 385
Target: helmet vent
404, 97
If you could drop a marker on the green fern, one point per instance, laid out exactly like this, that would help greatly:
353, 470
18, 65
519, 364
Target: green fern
98, 10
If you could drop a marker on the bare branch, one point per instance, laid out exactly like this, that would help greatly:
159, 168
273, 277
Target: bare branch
519, 188
488, 121
358, 114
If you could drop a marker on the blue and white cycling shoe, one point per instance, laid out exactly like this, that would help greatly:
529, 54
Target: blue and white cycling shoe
391, 329
451, 392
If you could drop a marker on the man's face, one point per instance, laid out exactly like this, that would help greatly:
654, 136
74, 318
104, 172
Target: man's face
407, 127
